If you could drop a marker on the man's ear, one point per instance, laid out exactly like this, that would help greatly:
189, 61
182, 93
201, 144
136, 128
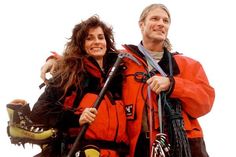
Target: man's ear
141, 25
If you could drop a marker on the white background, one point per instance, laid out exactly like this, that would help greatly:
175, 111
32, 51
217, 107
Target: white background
203, 30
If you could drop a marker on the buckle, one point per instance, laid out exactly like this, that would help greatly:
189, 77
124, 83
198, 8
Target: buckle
147, 134
141, 77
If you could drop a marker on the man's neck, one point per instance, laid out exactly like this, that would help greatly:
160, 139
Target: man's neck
153, 46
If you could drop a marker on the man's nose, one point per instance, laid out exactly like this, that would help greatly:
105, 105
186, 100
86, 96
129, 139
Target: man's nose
161, 22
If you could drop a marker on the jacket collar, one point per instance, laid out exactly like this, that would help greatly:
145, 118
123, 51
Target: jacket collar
162, 62
93, 68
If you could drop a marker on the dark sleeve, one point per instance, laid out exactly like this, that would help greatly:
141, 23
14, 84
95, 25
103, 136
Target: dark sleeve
49, 111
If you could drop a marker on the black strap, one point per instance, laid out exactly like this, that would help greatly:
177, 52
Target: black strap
108, 145
170, 64
121, 148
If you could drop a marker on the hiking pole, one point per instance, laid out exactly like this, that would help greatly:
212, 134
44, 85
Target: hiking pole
100, 97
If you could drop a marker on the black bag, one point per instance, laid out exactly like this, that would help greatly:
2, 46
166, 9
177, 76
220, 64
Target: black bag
193, 147
174, 126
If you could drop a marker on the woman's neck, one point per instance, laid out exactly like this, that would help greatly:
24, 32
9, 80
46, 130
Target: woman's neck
100, 62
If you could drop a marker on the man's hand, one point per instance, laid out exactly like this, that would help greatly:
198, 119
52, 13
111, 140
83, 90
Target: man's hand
159, 83
49, 66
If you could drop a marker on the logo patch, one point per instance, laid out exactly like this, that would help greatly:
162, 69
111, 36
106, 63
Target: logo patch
129, 110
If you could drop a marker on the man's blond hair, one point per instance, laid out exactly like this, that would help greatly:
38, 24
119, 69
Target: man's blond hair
146, 11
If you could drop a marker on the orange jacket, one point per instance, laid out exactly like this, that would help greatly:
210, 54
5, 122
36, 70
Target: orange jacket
110, 122
191, 87
109, 126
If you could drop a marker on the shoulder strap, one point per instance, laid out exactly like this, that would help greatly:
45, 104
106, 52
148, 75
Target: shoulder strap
170, 64
151, 60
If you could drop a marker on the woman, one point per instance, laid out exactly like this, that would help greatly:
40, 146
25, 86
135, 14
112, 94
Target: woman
66, 103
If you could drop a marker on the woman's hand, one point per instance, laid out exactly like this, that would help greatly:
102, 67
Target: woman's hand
18, 102
88, 116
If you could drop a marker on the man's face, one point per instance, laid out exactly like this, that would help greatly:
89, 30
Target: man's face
156, 25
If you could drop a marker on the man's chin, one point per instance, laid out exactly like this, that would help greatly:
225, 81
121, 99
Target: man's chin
159, 39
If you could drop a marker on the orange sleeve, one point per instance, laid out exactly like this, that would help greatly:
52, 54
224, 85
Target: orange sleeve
192, 88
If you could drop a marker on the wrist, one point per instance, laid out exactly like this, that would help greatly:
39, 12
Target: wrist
171, 87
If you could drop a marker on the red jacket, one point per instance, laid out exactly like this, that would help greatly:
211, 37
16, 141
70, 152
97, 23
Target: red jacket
191, 87
110, 122
109, 126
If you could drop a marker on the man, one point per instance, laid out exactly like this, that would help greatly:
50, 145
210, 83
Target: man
188, 85
179, 82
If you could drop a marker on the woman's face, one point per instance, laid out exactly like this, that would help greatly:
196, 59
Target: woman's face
95, 43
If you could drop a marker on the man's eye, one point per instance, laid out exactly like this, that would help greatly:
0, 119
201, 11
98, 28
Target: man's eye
154, 19
166, 21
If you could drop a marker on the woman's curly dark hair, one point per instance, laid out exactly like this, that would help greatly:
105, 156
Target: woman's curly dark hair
70, 68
